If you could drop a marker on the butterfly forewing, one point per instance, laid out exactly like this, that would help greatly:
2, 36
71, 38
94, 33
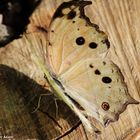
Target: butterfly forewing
72, 37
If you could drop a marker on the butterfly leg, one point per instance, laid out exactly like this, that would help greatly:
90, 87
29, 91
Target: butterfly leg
39, 101
55, 100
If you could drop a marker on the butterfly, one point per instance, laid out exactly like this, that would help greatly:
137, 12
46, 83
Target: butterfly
78, 69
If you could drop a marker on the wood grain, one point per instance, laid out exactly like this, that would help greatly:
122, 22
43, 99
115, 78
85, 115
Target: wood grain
22, 82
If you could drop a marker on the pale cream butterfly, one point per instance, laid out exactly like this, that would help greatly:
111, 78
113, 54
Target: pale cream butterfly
78, 70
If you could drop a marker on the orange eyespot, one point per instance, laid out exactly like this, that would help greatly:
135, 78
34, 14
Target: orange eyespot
105, 106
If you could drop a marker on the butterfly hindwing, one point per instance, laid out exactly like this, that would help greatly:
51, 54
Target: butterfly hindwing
98, 86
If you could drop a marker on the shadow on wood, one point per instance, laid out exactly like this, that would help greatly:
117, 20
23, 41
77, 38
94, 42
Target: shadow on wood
18, 99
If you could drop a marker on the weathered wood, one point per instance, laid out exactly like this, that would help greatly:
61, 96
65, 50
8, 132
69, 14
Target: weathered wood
20, 87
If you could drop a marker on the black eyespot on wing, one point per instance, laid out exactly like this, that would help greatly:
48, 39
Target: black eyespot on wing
93, 45
105, 106
71, 15
106, 80
91, 66
97, 72
80, 41
104, 63
50, 44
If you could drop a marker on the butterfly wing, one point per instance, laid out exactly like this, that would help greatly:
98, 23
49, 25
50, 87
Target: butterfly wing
76, 55
98, 86
69, 37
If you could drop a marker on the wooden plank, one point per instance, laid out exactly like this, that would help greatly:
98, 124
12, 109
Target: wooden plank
120, 20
